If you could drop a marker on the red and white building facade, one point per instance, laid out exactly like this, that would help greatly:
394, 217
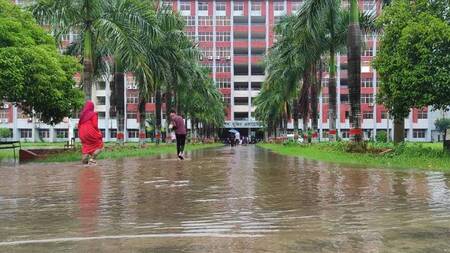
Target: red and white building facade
234, 36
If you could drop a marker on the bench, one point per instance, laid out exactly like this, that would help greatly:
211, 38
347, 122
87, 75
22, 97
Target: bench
11, 145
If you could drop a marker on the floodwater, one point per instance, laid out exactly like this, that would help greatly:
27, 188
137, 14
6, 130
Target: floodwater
241, 199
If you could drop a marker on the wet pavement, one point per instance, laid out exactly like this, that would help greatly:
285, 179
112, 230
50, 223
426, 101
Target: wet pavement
242, 199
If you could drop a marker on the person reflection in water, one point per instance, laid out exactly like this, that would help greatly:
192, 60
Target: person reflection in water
89, 199
90, 136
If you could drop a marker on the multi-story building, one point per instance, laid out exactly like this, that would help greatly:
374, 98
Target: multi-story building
234, 36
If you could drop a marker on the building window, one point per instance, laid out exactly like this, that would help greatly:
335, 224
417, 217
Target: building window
419, 133
202, 6
223, 21
208, 65
113, 133
369, 5
190, 20
207, 52
223, 83
132, 99
26, 133
278, 5
384, 114
62, 133
44, 133
344, 99
368, 52
166, 4
238, 6
223, 52
256, 6
345, 133
101, 100
131, 115
133, 133
325, 99
296, 5
205, 21
185, 5
223, 36
366, 98
205, 36
4, 113
190, 35
220, 6
422, 114
101, 115
223, 67
366, 82
101, 85
277, 19
367, 115
226, 99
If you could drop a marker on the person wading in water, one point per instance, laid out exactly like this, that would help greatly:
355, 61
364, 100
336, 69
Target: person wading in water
90, 136
180, 132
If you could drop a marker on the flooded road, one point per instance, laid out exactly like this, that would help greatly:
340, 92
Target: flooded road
242, 199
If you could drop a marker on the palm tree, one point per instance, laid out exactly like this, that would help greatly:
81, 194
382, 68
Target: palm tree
98, 22
354, 70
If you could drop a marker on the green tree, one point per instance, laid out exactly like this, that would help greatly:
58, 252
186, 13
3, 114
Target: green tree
442, 124
413, 60
107, 23
33, 74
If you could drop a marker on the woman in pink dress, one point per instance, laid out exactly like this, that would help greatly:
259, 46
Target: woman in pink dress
90, 136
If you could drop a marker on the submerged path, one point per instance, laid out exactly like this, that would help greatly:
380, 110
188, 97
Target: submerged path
242, 199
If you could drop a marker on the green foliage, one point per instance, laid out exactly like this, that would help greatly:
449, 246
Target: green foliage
414, 57
381, 136
442, 124
427, 156
33, 74
5, 132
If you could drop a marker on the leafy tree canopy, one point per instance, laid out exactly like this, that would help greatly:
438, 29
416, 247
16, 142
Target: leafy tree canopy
442, 124
33, 74
414, 57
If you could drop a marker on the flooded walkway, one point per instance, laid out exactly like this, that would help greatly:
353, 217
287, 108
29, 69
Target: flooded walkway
241, 199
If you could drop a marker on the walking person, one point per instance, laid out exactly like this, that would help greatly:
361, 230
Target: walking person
180, 132
90, 136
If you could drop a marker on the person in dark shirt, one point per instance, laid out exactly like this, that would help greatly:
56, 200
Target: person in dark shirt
180, 132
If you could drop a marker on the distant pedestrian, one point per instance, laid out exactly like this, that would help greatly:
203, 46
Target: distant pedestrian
90, 136
180, 132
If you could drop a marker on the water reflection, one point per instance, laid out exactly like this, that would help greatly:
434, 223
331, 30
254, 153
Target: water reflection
241, 199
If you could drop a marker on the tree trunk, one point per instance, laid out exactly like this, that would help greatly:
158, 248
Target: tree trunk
142, 135
118, 102
304, 97
169, 107
314, 98
399, 130
88, 64
354, 71
295, 116
332, 102
158, 114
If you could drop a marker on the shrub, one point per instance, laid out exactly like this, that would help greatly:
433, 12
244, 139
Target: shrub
381, 136
5, 132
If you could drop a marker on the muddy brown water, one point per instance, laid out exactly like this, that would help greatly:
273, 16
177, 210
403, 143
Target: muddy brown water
242, 199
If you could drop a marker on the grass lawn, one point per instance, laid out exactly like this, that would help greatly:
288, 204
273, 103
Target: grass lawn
426, 156
112, 151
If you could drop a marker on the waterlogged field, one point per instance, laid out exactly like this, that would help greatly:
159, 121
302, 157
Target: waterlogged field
243, 199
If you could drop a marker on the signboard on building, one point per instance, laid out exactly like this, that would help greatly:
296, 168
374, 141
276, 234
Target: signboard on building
242, 124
